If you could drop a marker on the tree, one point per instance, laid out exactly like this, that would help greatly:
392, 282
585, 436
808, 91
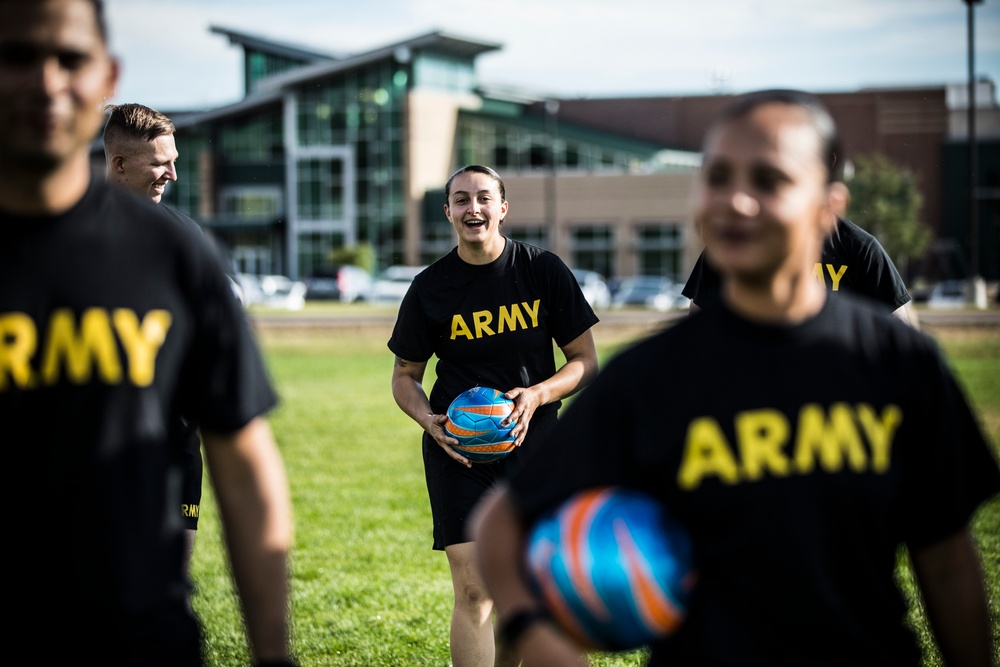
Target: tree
884, 201
362, 255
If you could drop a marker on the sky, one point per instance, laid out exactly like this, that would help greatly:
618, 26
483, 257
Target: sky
572, 48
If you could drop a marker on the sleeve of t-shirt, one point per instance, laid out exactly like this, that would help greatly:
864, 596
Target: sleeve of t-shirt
571, 314
956, 470
704, 283
226, 381
882, 281
412, 336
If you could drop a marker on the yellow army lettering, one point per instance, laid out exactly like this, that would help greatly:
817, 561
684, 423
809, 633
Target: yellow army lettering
835, 274
508, 318
77, 351
832, 439
190, 511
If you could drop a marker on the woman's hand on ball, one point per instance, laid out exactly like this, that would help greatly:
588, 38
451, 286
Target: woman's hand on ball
526, 401
435, 428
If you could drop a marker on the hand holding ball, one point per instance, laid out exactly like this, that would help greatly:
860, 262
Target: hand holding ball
474, 419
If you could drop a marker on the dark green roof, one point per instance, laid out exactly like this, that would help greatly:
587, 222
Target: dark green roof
539, 123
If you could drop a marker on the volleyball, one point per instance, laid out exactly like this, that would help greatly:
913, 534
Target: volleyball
612, 568
474, 420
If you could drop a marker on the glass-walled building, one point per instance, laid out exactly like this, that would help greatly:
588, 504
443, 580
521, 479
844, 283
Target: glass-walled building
328, 152
333, 151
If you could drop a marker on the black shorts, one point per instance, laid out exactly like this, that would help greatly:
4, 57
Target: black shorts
170, 638
454, 489
192, 472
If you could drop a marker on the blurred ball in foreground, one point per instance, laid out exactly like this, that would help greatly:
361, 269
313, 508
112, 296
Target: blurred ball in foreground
613, 568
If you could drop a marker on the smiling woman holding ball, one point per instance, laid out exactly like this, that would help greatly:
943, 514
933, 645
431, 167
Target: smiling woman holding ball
489, 311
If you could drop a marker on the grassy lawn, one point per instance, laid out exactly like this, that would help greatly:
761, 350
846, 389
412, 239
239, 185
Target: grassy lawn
367, 588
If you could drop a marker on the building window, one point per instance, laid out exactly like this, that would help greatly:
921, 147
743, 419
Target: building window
251, 203
659, 249
185, 193
262, 65
534, 234
257, 138
433, 70
508, 146
438, 239
316, 250
321, 189
593, 248
360, 110
254, 255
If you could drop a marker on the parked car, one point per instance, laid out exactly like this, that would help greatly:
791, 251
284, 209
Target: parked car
273, 291
653, 292
672, 299
948, 294
346, 283
594, 287
391, 286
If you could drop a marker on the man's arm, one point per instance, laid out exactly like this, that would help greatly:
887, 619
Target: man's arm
248, 476
907, 315
951, 581
499, 536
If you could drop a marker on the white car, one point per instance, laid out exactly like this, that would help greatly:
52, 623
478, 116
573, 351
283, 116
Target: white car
652, 292
948, 294
594, 287
346, 283
391, 286
272, 291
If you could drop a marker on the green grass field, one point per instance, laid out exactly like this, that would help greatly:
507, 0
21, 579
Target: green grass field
367, 588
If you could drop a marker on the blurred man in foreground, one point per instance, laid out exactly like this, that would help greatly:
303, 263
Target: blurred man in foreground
113, 317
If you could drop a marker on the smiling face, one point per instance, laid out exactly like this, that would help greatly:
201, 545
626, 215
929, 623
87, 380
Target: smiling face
763, 204
475, 209
145, 167
55, 71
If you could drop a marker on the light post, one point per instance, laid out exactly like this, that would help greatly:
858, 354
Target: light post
977, 286
551, 109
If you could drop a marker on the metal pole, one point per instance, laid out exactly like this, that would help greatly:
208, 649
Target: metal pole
973, 176
551, 109
977, 287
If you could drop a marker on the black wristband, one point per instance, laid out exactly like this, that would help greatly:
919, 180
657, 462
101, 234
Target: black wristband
276, 662
515, 626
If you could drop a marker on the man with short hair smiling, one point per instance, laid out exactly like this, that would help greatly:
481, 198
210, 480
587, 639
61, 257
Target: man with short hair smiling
140, 152
140, 149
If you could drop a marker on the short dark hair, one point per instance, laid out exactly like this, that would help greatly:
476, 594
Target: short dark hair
131, 122
479, 169
831, 148
99, 17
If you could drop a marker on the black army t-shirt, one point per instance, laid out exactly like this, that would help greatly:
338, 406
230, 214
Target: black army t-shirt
853, 261
491, 325
114, 318
799, 458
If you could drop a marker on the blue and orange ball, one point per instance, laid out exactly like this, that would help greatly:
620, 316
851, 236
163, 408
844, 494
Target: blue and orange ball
613, 568
474, 419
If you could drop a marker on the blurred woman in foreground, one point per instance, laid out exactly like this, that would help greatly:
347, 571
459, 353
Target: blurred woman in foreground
808, 441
